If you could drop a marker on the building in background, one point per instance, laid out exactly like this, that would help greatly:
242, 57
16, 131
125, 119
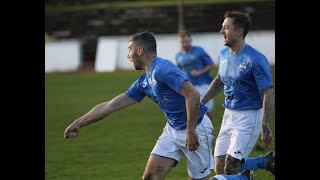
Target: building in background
88, 20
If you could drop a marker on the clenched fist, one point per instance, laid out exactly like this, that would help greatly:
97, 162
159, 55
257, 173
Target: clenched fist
72, 131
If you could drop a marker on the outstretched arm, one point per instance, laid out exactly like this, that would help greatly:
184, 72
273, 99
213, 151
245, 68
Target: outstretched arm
266, 134
97, 113
193, 106
215, 88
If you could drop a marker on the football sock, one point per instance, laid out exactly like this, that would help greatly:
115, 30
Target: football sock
232, 177
254, 164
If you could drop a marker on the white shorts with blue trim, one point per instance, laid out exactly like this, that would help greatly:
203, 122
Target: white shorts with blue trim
171, 144
239, 133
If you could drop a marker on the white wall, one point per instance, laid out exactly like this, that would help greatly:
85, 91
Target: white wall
167, 47
106, 55
62, 56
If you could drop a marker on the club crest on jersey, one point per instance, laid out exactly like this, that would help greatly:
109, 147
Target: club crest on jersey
242, 66
144, 84
224, 61
154, 82
192, 58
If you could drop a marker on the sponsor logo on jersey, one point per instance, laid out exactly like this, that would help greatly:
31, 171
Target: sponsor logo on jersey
144, 83
242, 66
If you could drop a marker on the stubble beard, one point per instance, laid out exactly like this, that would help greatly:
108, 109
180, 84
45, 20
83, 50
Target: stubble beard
138, 65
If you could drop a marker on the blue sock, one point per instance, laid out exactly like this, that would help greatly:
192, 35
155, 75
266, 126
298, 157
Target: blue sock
254, 164
234, 177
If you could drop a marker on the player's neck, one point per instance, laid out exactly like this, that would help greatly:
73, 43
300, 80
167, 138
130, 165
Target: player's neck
237, 47
187, 49
148, 63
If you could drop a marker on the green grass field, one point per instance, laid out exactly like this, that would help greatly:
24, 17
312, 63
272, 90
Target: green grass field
118, 146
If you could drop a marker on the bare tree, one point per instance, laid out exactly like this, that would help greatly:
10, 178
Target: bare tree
180, 15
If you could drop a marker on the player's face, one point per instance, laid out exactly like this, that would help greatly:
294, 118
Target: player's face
185, 43
134, 56
230, 33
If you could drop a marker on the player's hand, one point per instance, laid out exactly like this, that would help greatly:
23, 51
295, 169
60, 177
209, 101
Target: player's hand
266, 135
195, 73
72, 131
192, 141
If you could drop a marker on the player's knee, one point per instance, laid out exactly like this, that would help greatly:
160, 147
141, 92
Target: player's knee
231, 169
219, 171
232, 165
219, 168
151, 175
219, 165
147, 176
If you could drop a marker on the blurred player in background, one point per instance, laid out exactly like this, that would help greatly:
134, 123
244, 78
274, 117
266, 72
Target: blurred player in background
196, 64
188, 132
245, 75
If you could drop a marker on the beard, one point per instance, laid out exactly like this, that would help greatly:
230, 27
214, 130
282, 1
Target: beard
137, 66
230, 43
227, 44
137, 63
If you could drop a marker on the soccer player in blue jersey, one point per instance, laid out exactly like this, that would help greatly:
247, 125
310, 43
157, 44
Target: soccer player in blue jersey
196, 64
245, 75
188, 132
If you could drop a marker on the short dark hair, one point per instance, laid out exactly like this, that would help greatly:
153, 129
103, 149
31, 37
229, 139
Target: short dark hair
183, 34
240, 20
146, 40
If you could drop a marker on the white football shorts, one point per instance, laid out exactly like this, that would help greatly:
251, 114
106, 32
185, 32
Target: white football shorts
171, 144
238, 133
202, 89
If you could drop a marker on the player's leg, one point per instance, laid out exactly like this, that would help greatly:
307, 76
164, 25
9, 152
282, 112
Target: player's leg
164, 156
246, 127
158, 167
219, 163
199, 162
232, 165
266, 161
222, 143
251, 164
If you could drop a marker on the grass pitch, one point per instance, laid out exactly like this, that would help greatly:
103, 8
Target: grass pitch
116, 147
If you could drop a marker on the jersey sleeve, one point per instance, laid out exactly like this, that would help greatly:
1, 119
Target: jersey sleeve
205, 58
171, 76
134, 92
262, 72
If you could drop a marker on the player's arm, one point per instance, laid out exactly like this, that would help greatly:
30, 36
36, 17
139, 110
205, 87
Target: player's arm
268, 100
262, 74
97, 113
215, 88
207, 61
193, 107
206, 69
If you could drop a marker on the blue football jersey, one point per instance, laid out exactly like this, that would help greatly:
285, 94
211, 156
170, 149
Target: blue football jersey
244, 75
162, 84
196, 58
